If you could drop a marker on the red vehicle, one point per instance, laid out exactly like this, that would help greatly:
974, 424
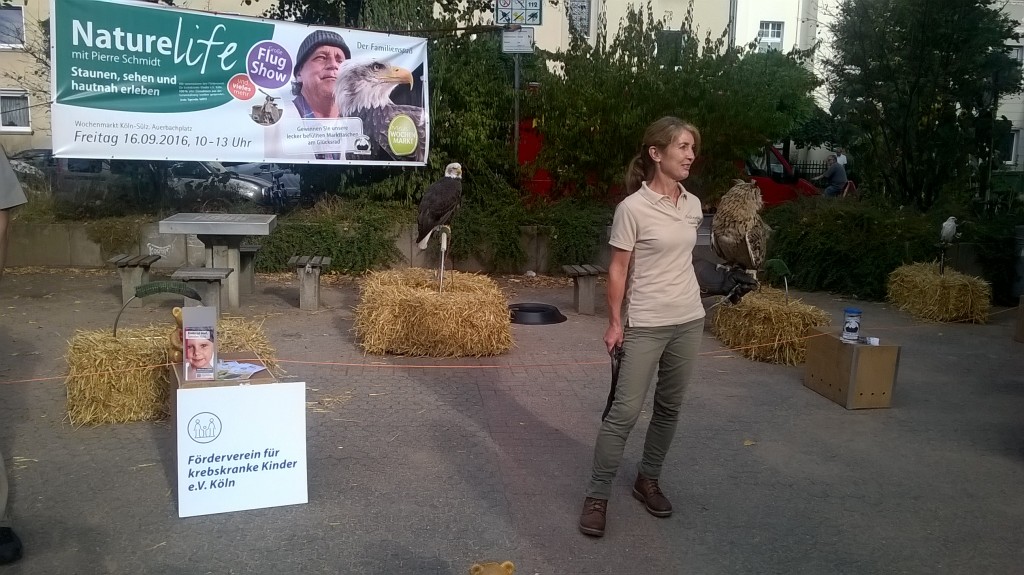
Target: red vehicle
775, 176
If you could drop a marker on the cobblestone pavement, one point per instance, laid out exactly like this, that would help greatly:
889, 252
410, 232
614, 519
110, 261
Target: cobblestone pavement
415, 470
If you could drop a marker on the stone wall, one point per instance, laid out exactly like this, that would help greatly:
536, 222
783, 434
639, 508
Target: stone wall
69, 245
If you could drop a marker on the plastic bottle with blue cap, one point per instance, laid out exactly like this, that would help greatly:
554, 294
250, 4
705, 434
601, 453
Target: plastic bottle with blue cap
851, 325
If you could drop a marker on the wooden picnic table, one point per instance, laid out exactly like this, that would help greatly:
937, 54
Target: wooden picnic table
222, 236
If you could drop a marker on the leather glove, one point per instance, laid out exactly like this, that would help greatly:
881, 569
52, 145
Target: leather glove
730, 281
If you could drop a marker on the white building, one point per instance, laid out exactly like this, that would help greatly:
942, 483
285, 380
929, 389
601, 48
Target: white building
553, 33
1013, 106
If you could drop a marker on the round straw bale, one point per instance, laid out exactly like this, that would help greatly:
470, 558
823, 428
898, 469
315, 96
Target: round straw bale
402, 312
765, 327
951, 297
124, 379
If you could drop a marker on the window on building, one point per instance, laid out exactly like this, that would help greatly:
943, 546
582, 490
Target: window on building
14, 112
12, 27
579, 17
670, 46
769, 36
1007, 147
1017, 53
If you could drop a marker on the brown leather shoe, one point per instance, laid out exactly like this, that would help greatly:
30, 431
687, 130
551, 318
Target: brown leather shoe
646, 490
592, 518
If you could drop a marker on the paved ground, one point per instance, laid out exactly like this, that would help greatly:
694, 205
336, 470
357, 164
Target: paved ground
427, 471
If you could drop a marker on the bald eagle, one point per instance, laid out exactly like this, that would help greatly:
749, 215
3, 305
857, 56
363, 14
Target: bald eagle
439, 203
738, 234
363, 90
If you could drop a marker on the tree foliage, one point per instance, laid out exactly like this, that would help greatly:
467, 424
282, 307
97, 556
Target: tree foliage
594, 106
920, 80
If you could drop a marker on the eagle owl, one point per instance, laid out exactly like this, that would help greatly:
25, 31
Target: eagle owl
738, 234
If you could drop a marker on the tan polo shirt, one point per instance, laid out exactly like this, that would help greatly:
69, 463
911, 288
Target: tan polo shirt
661, 287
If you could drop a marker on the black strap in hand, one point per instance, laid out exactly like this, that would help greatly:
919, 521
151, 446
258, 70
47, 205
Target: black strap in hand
616, 354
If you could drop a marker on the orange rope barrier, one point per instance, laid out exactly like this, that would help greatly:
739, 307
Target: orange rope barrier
479, 366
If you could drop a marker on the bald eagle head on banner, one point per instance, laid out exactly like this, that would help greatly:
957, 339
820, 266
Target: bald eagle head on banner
363, 90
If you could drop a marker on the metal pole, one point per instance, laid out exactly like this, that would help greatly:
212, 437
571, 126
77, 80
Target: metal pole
444, 246
515, 88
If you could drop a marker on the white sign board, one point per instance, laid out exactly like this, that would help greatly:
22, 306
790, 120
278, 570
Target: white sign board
524, 12
241, 447
517, 41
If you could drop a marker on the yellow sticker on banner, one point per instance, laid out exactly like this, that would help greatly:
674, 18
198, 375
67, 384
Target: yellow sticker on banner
402, 136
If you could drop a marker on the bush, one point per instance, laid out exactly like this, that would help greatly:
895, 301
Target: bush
995, 243
358, 236
577, 228
848, 247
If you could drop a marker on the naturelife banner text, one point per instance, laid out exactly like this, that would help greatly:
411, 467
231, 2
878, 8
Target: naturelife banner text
139, 81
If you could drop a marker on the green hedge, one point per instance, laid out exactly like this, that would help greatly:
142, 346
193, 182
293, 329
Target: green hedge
848, 247
358, 236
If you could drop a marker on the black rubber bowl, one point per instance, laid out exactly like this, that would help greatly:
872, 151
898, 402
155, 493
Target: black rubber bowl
535, 314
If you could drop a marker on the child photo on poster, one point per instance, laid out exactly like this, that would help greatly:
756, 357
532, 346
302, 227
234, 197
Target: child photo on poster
200, 353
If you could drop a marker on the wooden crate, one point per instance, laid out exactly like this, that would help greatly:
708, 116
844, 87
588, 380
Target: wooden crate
854, 375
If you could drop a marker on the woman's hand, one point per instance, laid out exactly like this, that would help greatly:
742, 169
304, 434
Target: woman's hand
613, 337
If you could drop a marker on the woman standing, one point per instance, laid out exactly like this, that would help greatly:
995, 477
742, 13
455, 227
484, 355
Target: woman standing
652, 238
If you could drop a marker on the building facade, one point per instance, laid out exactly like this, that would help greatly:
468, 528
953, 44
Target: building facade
584, 15
24, 77
1012, 107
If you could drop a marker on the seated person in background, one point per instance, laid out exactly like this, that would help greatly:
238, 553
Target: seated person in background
835, 175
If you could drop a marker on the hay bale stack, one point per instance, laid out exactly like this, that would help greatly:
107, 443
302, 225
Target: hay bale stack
763, 327
124, 379
401, 312
952, 296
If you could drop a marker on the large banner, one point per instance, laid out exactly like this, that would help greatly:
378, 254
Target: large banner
141, 81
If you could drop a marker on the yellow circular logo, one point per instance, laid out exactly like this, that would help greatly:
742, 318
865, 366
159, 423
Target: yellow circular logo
402, 136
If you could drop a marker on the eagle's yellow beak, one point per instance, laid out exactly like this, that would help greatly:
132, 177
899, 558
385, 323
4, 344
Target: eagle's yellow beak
398, 75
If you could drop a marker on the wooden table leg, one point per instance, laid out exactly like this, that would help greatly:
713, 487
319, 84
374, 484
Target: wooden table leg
223, 252
234, 244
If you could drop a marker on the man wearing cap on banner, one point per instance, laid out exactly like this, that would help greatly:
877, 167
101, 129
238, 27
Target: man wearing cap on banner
316, 70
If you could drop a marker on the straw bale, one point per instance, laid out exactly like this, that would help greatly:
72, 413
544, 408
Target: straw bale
401, 312
124, 379
763, 327
951, 297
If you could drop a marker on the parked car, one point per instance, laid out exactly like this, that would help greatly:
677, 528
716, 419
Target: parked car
81, 180
38, 158
777, 179
260, 190
277, 173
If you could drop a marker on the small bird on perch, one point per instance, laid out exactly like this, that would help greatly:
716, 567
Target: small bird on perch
948, 233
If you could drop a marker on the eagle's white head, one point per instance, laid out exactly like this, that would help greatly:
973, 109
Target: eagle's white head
364, 84
453, 170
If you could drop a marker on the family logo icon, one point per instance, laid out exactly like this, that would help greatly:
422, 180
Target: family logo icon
204, 427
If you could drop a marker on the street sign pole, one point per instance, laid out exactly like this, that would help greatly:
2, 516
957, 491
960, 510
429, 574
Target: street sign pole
515, 89
517, 40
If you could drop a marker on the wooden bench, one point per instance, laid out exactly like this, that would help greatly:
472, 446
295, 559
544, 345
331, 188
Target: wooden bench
134, 271
308, 269
584, 279
247, 268
206, 281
